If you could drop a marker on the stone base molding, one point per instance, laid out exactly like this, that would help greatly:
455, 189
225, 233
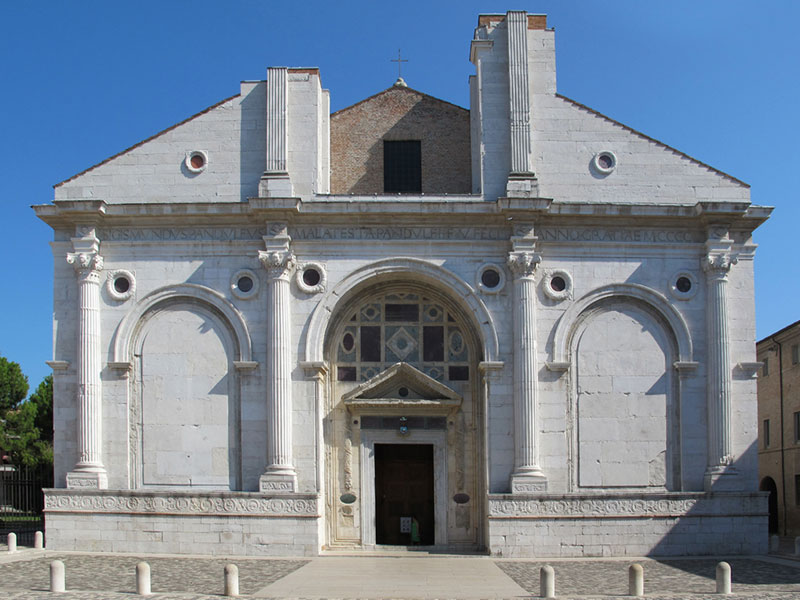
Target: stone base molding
277, 482
180, 503
81, 480
661, 524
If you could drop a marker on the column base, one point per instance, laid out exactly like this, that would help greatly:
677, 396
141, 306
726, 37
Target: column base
528, 481
97, 480
522, 185
281, 480
275, 185
722, 479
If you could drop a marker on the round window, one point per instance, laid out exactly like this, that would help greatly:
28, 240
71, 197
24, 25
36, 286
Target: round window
196, 161
604, 162
311, 278
557, 285
244, 284
683, 285
491, 278
120, 284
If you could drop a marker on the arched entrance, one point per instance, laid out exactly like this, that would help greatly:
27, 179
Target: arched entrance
768, 485
404, 449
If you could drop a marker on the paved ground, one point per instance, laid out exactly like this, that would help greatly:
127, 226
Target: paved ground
25, 576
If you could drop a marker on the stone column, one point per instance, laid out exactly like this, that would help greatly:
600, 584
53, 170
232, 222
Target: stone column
279, 262
89, 471
716, 264
275, 181
527, 475
521, 180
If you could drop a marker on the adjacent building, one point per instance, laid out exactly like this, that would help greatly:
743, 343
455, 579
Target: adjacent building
521, 327
779, 427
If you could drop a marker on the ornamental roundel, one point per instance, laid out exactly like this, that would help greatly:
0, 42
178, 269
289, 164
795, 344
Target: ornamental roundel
405, 327
120, 284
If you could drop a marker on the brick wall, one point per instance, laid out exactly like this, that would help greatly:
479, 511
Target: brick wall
358, 132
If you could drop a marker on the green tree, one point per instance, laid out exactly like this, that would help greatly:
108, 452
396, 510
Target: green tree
13, 385
26, 427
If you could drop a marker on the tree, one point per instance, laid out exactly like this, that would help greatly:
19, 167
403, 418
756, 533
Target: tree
13, 385
26, 427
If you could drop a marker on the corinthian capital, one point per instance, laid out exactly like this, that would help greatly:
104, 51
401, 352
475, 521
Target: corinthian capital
86, 263
523, 264
718, 262
278, 263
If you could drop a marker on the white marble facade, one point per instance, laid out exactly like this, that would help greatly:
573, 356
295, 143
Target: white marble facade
572, 343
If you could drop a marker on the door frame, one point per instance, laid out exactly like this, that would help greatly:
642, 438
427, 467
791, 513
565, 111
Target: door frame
438, 439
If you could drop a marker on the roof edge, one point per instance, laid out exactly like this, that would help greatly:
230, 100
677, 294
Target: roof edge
144, 141
655, 141
394, 87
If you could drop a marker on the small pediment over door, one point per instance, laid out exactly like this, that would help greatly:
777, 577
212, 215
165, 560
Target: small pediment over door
402, 389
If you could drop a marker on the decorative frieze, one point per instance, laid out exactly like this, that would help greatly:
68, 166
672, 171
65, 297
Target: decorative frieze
644, 505
177, 503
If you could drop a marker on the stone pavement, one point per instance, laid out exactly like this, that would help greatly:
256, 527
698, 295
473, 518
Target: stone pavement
25, 576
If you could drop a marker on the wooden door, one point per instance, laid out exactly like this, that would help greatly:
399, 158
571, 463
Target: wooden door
403, 488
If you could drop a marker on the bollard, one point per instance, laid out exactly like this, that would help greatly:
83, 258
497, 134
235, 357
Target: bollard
143, 579
231, 580
774, 543
547, 582
38, 540
797, 545
57, 577
636, 580
12, 542
723, 578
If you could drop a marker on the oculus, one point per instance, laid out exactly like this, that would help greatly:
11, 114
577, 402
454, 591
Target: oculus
490, 279
120, 284
683, 285
196, 161
244, 284
604, 162
311, 278
557, 284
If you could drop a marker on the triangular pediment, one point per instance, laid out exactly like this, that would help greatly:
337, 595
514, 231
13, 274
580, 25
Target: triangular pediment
402, 388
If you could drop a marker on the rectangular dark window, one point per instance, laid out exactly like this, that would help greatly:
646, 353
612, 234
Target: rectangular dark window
370, 344
796, 427
346, 373
458, 373
433, 344
402, 312
402, 167
765, 433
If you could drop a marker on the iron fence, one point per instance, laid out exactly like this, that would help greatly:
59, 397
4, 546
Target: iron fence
22, 501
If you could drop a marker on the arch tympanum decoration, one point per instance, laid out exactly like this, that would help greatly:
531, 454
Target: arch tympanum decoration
572, 317
191, 292
423, 272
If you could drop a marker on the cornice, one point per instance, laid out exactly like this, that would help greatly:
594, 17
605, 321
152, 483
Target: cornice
443, 210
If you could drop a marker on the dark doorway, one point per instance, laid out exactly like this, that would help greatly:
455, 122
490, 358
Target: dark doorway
403, 489
768, 485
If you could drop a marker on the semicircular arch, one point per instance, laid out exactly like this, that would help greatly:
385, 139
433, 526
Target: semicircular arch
128, 328
572, 317
423, 272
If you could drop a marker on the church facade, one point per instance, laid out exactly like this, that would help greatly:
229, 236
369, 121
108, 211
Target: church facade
523, 328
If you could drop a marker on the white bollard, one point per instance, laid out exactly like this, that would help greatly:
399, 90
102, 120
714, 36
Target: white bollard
57, 577
636, 580
12, 542
723, 578
38, 540
797, 545
774, 543
547, 582
231, 580
143, 579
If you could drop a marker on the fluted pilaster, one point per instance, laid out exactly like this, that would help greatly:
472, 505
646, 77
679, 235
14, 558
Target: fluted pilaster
519, 91
527, 476
717, 264
280, 475
275, 181
89, 470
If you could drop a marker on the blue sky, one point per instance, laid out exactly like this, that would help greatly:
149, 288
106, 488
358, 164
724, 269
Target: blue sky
83, 80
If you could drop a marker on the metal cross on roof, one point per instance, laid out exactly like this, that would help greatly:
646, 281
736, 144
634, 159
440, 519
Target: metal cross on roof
399, 62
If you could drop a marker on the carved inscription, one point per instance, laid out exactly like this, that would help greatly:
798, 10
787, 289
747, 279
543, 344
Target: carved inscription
180, 234
399, 233
595, 234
